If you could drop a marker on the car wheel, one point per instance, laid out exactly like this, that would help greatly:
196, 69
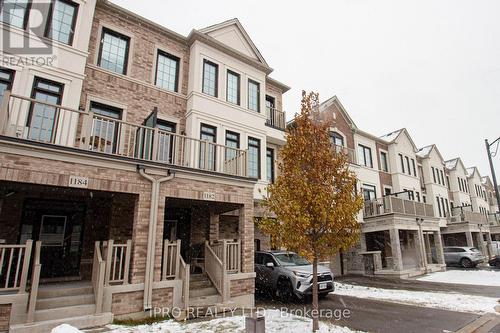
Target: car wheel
466, 263
285, 290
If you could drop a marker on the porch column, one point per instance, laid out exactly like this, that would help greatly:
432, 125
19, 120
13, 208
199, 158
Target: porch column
481, 243
362, 240
428, 249
490, 245
470, 242
246, 229
397, 256
439, 247
140, 237
420, 249
213, 234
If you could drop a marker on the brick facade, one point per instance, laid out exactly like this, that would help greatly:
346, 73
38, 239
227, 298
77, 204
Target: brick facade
242, 287
5, 317
385, 177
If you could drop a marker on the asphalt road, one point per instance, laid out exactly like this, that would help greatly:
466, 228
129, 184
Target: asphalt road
414, 285
385, 317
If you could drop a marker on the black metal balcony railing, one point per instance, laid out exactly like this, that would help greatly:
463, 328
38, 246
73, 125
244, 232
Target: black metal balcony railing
275, 118
36, 121
393, 205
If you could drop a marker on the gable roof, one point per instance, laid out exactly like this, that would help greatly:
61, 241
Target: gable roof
232, 32
453, 163
391, 137
487, 181
335, 100
424, 152
472, 171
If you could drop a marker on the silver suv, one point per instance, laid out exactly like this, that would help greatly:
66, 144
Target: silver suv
467, 257
288, 276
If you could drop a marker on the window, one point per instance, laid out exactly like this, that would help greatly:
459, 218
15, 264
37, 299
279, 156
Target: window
167, 71
208, 134
6, 79
365, 156
433, 174
443, 207
253, 95
233, 144
233, 87
439, 206
61, 25
270, 165
336, 139
387, 191
42, 117
411, 195
448, 181
383, 161
113, 53
408, 165
105, 131
369, 192
166, 141
15, 12
459, 183
424, 199
270, 102
413, 166
402, 163
210, 78
418, 196
442, 177
447, 205
253, 157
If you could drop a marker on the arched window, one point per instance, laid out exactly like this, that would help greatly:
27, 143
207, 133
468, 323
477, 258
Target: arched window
336, 139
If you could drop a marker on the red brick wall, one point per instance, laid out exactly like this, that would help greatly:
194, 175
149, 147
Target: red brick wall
340, 122
5, 317
163, 298
136, 90
385, 178
242, 287
125, 303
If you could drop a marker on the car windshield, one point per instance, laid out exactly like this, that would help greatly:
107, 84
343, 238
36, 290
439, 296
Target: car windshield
291, 259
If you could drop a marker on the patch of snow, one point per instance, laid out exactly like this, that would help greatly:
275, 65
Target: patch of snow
65, 328
474, 277
451, 164
276, 322
441, 300
391, 136
423, 152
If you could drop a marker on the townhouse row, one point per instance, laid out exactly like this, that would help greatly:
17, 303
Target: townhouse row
132, 161
416, 202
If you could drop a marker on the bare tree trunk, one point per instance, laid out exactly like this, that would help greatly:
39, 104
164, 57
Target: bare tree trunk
315, 295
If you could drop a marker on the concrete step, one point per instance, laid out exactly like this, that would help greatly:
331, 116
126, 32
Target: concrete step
64, 290
81, 322
64, 301
198, 277
64, 312
208, 291
200, 284
204, 301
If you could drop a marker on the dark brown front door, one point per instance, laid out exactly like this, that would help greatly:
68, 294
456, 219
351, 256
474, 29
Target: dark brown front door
59, 225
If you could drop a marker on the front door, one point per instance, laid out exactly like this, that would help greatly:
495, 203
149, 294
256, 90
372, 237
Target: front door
59, 226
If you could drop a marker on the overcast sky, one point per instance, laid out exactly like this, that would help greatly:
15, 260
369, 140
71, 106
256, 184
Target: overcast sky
430, 66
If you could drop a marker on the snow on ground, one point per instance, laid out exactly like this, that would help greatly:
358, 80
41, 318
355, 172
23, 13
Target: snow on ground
276, 322
440, 300
475, 277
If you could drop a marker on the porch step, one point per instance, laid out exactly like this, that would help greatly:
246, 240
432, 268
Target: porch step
200, 284
66, 289
198, 292
198, 278
204, 301
64, 301
81, 322
64, 312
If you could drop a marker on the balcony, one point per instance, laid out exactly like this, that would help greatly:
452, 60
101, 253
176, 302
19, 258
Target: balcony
468, 216
275, 118
351, 153
393, 205
39, 122
494, 219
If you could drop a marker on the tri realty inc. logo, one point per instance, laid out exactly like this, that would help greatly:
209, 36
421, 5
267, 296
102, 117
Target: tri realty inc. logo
25, 32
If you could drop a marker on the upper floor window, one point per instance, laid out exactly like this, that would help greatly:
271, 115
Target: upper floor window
233, 87
42, 117
210, 78
413, 167
384, 165
62, 21
113, 52
365, 156
105, 130
270, 165
253, 157
369, 192
270, 102
253, 95
208, 134
408, 165
441, 173
336, 139
6, 79
167, 71
401, 160
233, 144
15, 12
